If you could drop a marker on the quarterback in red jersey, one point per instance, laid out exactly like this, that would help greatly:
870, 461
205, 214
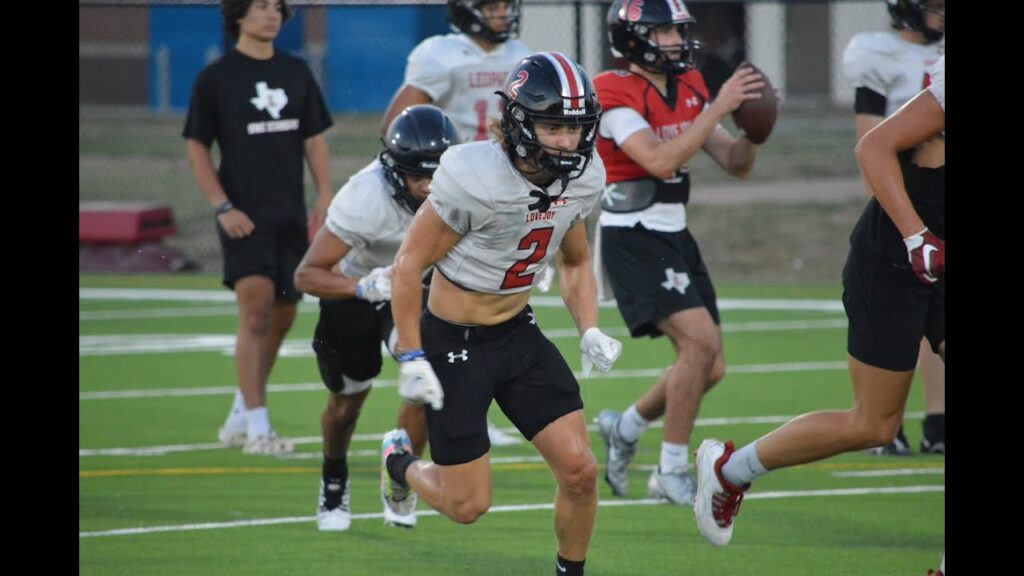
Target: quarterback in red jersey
658, 114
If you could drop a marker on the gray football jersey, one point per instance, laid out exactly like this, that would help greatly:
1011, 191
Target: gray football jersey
889, 65
938, 85
461, 79
365, 216
504, 245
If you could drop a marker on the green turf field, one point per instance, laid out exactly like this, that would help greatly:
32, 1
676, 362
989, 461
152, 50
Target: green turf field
158, 496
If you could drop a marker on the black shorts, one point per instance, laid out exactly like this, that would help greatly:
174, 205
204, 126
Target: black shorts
513, 363
889, 310
347, 340
274, 254
654, 275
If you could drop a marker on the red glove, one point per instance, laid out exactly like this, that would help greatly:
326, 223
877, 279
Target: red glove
927, 254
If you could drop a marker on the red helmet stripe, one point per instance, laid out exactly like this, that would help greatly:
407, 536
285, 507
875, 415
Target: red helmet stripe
572, 81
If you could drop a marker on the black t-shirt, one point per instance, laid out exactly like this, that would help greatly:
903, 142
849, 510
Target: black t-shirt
259, 112
926, 188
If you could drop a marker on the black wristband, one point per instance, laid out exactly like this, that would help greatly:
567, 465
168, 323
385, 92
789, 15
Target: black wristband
223, 207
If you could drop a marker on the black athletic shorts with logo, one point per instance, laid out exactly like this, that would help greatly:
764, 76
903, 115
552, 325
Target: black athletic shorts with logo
347, 340
889, 310
646, 267
513, 363
271, 253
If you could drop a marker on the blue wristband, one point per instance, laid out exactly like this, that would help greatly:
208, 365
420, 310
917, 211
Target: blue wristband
411, 355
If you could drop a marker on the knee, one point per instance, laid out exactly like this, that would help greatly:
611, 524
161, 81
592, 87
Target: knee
704, 352
716, 374
579, 480
469, 511
343, 410
874, 431
285, 318
256, 321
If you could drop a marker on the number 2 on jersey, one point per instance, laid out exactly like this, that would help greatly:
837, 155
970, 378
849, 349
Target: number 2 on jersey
538, 239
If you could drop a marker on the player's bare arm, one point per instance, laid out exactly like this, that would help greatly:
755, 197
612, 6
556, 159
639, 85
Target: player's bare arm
405, 97
427, 241
319, 161
236, 224
314, 274
920, 119
579, 288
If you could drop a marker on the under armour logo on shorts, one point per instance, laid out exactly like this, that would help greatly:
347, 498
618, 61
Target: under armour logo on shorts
463, 356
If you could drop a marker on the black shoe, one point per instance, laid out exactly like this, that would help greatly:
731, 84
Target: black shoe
898, 447
936, 446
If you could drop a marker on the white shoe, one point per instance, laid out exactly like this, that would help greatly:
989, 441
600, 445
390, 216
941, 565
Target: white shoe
718, 501
618, 452
336, 519
269, 443
407, 520
676, 487
232, 438
499, 438
399, 501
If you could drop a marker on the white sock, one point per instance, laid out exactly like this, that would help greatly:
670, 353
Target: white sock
632, 424
236, 416
942, 567
743, 467
259, 422
673, 457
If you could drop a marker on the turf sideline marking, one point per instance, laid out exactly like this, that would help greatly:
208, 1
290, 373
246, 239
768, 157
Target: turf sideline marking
509, 508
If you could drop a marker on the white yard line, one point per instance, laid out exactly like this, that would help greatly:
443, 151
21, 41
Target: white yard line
892, 472
509, 508
377, 436
314, 386
178, 295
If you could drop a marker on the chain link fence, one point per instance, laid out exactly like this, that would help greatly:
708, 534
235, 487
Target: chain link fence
138, 59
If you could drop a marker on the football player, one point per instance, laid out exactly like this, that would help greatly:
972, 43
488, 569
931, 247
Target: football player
887, 69
461, 73
657, 116
366, 222
894, 293
497, 212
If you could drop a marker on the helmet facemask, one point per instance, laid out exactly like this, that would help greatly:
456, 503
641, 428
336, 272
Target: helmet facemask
631, 26
910, 15
465, 16
518, 126
396, 172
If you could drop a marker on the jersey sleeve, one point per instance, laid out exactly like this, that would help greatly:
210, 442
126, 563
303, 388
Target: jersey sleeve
938, 85
620, 123
350, 217
864, 65
614, 90
455, 194
201, 119
426, 71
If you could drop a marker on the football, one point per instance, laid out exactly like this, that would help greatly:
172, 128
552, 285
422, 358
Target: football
757, 117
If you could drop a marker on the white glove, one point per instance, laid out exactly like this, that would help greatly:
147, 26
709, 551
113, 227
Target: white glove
375, 286
598, 350
418, 384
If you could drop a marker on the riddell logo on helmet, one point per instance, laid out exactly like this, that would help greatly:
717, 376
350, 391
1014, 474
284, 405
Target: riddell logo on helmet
574, 111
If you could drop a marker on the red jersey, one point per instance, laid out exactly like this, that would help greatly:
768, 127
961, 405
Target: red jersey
668, 115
